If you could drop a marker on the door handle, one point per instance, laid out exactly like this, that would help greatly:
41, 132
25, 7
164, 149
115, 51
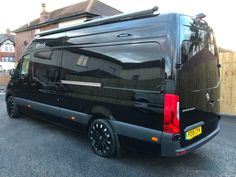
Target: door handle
33, 84
25, 84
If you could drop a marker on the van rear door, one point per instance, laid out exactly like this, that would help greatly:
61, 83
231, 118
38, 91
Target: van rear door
198, 81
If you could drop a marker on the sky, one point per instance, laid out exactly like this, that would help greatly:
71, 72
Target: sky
221, 14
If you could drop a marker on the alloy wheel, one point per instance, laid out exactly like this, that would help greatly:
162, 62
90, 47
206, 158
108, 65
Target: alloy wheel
12, 108
101, 139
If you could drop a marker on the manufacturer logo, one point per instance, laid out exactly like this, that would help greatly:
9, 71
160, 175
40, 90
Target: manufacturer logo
40, 45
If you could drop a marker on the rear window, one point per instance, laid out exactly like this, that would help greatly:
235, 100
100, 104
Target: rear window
198, 54
195, 36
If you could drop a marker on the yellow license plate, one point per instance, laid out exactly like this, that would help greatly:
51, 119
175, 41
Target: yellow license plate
193, 133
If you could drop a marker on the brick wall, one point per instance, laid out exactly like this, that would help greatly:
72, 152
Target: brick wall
48, 27
23, 38
4, 80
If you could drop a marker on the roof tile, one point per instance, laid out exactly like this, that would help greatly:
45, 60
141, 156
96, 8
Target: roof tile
94, 7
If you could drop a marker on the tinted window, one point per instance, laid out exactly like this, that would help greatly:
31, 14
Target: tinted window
44, 55
134, 66
198, 55
195, 35
47, 66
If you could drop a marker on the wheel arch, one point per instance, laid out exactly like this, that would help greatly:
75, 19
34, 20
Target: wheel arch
99, 112
6, 96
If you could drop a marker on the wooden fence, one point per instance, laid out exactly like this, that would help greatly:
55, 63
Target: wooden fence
228, 82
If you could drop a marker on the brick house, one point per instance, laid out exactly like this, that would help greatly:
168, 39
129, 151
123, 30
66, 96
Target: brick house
7, 57
73, 14
7, 51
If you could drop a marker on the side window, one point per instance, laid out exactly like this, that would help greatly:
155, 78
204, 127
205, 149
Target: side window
134, 66
47, 65
25, 65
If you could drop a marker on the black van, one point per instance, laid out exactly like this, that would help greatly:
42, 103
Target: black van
142, 79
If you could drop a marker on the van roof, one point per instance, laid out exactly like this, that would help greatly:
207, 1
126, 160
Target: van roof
106, 20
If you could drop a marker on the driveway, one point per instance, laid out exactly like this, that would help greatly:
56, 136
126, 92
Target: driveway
33, 148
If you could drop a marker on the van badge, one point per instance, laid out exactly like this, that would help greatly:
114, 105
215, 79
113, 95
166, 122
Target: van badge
40, 45
207, 96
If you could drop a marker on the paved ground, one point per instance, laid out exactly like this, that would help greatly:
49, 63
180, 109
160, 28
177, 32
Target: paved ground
33, 148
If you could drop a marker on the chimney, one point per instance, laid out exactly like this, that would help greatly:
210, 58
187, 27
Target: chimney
44, 15
8, 32
43, 7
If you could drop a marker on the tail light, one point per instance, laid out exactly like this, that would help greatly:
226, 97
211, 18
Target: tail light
171, 122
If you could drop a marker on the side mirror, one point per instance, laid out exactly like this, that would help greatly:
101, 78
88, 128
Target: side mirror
14, 73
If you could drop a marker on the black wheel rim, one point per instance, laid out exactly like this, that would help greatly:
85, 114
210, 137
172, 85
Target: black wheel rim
100, 138
10, 106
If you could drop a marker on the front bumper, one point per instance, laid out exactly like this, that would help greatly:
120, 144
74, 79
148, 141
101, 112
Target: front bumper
173, 148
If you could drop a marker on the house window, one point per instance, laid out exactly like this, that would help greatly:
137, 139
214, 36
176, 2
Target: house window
112, 70
7, 59
10, 48
6, 48
82, 60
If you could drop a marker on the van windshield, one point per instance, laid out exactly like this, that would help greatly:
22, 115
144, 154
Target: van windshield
198, 54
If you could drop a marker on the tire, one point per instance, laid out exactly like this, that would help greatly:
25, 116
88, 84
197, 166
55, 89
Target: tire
102, 138
12, 108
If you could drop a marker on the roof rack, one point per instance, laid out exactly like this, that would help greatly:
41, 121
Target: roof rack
106, 20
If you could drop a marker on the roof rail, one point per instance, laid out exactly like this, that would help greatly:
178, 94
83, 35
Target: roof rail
106, 20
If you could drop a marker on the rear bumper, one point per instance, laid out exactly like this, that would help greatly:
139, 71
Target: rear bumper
173, 148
